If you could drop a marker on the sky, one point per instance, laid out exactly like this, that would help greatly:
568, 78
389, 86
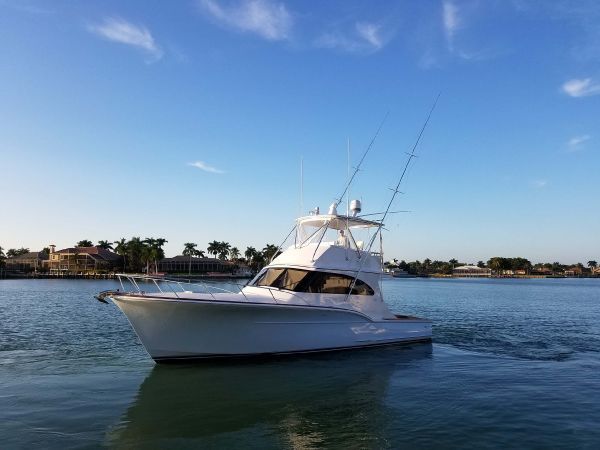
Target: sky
188, 120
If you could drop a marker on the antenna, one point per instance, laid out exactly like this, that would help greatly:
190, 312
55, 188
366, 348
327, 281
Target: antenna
348, 198
301, 186
362, 159
411, 155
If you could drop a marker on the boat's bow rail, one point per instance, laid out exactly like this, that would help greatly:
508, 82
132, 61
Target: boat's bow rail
145, 284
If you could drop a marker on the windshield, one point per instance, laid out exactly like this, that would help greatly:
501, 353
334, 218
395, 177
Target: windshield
298, 280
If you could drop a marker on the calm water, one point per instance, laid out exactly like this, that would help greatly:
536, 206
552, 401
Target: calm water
514, 363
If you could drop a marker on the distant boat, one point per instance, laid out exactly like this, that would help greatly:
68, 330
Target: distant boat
400, 273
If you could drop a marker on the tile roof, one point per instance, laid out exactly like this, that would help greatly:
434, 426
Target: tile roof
30, 255
94, 251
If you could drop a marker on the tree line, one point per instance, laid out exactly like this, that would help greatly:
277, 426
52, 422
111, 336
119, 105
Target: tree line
144, 254
496, 264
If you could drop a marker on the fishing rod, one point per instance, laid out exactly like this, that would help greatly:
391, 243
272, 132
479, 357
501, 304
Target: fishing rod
383, 212
411, 155
395, 191
357, 168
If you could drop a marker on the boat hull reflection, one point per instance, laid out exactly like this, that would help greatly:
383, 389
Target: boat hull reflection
334, 399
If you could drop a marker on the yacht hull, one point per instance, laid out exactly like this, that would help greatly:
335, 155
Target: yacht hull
182, 329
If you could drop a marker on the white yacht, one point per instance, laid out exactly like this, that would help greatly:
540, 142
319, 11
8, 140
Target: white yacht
322, 293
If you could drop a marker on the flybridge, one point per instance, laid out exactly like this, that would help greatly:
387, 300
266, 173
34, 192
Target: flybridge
336, 222
346, 233
321, 224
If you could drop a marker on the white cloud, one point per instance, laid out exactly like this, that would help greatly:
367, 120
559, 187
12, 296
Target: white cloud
119, 30
370, 33
575, 143
452, 21
365, 38
24, 6
581, 87
539, 184
270, 20
203, 166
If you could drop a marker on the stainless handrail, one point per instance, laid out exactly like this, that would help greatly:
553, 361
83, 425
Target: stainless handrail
169, 282
205, 286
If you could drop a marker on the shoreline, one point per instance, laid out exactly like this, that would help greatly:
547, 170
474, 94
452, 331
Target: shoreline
193, 277
112, 276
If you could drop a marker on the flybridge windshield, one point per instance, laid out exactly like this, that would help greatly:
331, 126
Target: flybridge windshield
310, 281
349, 232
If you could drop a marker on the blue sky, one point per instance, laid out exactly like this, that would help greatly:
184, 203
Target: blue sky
188, 119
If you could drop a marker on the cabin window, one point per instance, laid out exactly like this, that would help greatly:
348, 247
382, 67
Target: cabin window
269, 277
314, 282
291, 278
332, 283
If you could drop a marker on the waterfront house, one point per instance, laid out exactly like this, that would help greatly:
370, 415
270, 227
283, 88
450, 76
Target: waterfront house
181, 264
470, 271
27, 262
544, 271
83, 260
574, 271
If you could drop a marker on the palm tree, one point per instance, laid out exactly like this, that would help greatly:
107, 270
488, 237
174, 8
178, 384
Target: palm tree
84, 243
258, 261
156, 251
224, 248
105, 245
214, 248
495, 264
2, 257
146, 256
121, 249
12, 252
190, 250
270, 251
250, 253
591, 264
234, 253
453, 261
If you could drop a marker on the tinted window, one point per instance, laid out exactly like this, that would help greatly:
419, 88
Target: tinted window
332, 283
269, 277
315, 282
292, 278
